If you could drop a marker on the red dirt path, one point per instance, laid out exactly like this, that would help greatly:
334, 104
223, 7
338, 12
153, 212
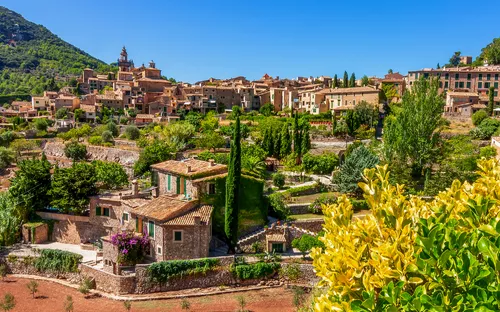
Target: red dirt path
51, 296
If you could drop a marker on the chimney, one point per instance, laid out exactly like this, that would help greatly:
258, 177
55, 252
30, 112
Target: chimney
197, 220
135, 187
188, 169
155, 192
212, 162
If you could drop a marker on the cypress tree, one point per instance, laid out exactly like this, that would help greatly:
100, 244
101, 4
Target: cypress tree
277, 144
305, 140
335, 83
270, 142
345, 81
296, 135
438, 66
286, 141
491, 100
232, 190
334, 123
352, 81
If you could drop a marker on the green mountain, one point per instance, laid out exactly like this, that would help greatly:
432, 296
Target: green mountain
33, 59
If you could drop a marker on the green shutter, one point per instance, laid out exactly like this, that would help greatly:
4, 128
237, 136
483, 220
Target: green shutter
97, 210
137, 224
178, 190
151, 229
169, 178
185, 189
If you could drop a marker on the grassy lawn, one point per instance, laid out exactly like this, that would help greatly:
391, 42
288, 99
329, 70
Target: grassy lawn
309, 198
307, 216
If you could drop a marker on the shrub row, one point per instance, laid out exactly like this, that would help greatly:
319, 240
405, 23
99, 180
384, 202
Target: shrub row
255, 270
302, 190
57, 261
162, 271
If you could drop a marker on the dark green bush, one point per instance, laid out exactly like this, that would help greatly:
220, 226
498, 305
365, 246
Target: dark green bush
279, 179
162, 271
57, 261
255, 270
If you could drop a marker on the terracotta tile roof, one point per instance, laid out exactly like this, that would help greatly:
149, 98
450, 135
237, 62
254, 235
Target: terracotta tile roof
345, 107
222, 175
461, 94
164, 208
276, 238
188, 218
196, 167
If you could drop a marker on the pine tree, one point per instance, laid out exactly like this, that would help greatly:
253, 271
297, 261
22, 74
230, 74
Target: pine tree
232, 190
296, 135
286, 141
277, 144
305, 140
352, 81
334, 123
335, 83
345, 81
491, 100
270, 142
438, 66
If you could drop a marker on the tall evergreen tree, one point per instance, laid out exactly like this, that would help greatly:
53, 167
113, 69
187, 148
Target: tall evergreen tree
296, 135
305, 140
334, 123
232, 190
352, 81
277, 144
335, 83
286, 141
270, 142
345, 81
365, 81
491, 100
438, 66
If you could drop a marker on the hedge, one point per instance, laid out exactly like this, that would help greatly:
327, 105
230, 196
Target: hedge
297, 191
162, 271
255, 270
56, 260
253, 205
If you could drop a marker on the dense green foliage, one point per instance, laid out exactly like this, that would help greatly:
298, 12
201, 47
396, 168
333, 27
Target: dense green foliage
75, 151
486, 129
162, 272
306, 242
10, 221
277, 202
71, 187
479, 116
153, 153
279, 179
54, 260
110, 175
233, 189
132, 132
30, 186
30, 65
320, 164
255, 270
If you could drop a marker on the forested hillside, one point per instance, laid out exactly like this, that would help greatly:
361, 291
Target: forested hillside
33, 59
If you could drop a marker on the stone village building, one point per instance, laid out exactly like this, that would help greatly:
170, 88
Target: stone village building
178, 223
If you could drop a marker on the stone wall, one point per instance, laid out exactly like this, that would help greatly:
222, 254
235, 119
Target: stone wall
24, 265
108, 282
313, 225
124, 157
40, 233
299, 208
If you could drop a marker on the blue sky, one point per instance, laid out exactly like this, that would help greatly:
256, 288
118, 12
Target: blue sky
195, 40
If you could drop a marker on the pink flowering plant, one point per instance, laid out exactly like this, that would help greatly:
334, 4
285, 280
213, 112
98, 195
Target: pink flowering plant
131, 247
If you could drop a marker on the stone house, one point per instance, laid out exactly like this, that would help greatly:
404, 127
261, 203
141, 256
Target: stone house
178, 224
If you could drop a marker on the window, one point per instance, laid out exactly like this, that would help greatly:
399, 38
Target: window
495, 93
480, 77
469, 76
211, 188
446, 84
158, 249
496, 76
416, 75
98, 210
125, 217
169, 181
447, 76
177, 236
461, 84
105, 212
151, 229
495, 85
480, 85
468, 84
486, 85
456, 84
488, 76
457, 76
